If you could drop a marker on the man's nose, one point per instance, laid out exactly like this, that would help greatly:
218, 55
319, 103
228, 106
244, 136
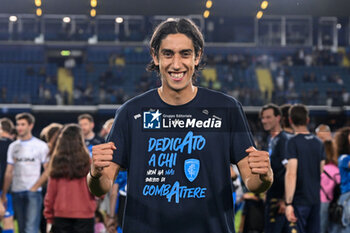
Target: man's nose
177, 61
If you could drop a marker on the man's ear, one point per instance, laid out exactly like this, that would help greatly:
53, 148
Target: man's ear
155, 58
198, 57
290, 120
279, 118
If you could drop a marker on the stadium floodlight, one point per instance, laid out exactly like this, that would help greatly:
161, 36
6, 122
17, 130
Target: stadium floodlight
39, 12
338, 26
92, 12
264, 5
38, 3
66, 19
13, 18
93, 3
206, 14
209, 4
259, 14
119, 20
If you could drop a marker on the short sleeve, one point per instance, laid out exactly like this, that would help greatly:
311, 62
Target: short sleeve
291, 149
241, 136
118, 135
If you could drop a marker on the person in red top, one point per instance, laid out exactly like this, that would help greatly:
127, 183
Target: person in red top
69, 206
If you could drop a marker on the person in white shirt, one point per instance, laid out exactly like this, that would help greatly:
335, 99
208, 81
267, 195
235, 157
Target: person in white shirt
25, 157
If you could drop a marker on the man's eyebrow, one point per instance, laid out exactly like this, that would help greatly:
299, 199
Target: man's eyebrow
186, 51
171, 51
167, 51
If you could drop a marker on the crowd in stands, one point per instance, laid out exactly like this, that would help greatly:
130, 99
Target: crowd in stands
309, 76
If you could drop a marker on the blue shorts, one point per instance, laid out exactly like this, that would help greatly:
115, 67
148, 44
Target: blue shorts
308, 219
9, 207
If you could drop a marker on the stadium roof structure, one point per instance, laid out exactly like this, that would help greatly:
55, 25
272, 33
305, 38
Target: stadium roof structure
231, 8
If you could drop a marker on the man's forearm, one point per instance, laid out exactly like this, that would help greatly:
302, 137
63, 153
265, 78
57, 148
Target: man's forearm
290, 182
99, 186
113, 198
259, 183
290, 179
7, 183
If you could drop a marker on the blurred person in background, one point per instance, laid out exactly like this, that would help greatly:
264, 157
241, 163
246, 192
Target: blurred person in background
342, 144
306, 158
275, 219
106, 128
25, 158
285, 123
329, 178
69, 206
49, 135
6, 211
86, 122
324, 133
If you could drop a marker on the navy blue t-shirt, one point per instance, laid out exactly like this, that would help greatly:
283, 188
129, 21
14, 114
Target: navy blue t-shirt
178, 160
277, 151
309, 152
4, 145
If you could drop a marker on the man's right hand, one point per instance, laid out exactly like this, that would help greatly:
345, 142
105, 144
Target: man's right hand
102, 156
290, 214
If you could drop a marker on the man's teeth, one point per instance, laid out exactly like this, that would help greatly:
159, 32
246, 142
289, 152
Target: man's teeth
177, 75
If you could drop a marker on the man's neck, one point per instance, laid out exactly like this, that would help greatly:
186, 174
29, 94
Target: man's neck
25, 137
289, 130
90, 136
5, 135
301, 129
275, 131
177, 97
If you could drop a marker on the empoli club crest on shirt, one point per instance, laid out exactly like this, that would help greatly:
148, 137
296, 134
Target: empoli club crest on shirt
192, 169
151, 120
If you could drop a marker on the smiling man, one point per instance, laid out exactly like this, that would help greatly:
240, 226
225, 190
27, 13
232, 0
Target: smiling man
178, 160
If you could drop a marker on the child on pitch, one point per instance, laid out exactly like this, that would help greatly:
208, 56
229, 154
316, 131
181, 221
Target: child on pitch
69, 206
